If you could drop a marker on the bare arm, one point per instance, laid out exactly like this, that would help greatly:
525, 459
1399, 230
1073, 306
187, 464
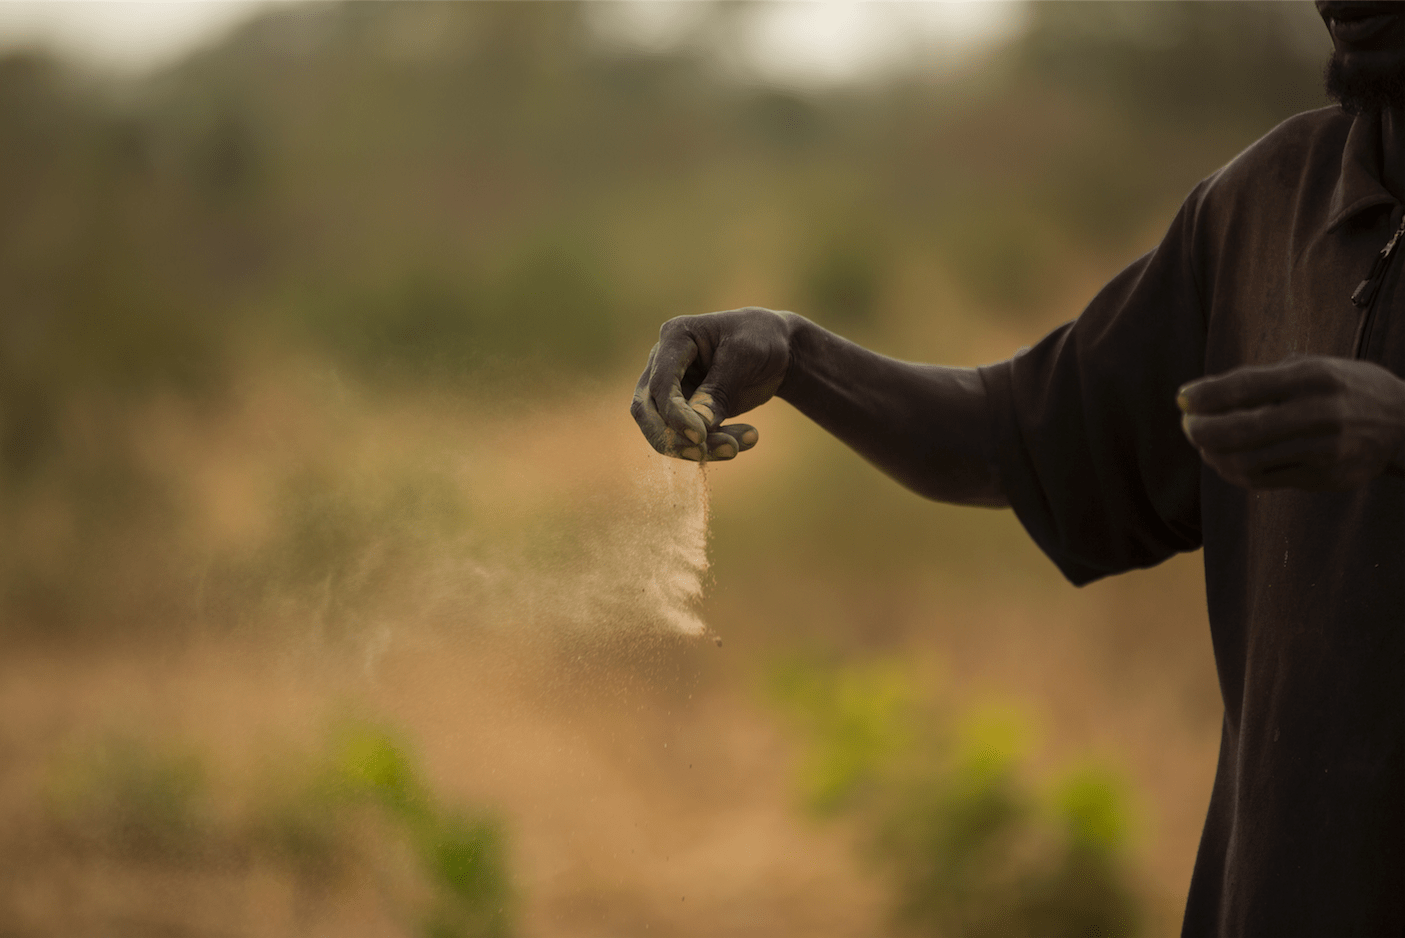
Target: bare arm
926, 426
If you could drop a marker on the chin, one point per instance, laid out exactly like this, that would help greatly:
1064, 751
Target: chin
1366, 81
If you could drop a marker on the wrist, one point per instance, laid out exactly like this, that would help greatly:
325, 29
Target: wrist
800, 338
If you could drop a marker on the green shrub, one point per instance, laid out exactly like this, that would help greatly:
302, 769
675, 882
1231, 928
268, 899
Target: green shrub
318, 816
133, 801
969, 849
463, 857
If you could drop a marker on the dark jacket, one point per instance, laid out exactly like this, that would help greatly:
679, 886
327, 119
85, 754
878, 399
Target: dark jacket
1305, 833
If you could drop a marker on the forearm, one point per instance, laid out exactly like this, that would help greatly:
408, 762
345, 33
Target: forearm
926, 426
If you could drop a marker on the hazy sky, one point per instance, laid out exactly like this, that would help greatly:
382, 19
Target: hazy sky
128, 37
792, 42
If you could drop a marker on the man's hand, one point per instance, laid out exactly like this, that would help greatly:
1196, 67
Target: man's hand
704, 370
1308, 423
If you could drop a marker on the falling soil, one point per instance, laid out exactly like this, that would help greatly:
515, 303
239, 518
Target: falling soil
677, 536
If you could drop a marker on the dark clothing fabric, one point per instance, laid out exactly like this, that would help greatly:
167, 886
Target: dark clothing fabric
1306, 827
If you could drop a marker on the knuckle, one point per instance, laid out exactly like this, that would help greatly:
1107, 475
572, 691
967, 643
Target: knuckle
753, 345
1332, 375
720, 400
1303, 367
674, 328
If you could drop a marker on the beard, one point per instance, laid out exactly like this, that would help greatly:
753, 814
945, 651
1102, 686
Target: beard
1359, 90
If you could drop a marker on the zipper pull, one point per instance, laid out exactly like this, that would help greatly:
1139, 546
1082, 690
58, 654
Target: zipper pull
1365, 291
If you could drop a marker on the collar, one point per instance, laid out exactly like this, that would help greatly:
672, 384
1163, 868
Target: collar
1359, 185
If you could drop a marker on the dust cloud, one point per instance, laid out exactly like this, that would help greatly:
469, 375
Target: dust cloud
607, 555
484, 530
644, 562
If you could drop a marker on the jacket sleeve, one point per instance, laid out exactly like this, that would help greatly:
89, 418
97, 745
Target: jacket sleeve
1085, 425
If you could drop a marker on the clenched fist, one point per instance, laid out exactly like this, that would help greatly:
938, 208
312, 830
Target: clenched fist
706, 369
1311, 423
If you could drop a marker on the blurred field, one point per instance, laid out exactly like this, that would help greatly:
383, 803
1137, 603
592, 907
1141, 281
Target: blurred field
329, 593
631, 764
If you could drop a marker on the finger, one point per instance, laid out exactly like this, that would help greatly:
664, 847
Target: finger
706, 406
663, 438
673, 355
722, 446
744, 434
1309, 462
726, 442
1286, 477
645, 414
1256, 385
660, 435
722, 442
1306, 478
1257, 427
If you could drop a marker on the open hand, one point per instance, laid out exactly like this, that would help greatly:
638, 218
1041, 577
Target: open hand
704, 370
1311, 423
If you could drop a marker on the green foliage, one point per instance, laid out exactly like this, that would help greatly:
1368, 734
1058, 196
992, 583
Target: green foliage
134, 800
1091, 807
969, 849
313, 816
422, 325
857, 722
785, 123
389, 158
463, 857
551, 306
843, 282
1183, 62
370, 765
466, 858
554, 303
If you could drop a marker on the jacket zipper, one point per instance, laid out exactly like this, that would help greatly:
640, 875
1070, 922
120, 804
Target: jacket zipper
1364, 296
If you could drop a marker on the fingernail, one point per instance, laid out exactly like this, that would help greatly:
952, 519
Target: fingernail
1185, 425
724, 451
1183, 402
691, 452
704, 412
693, 435
749, 438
